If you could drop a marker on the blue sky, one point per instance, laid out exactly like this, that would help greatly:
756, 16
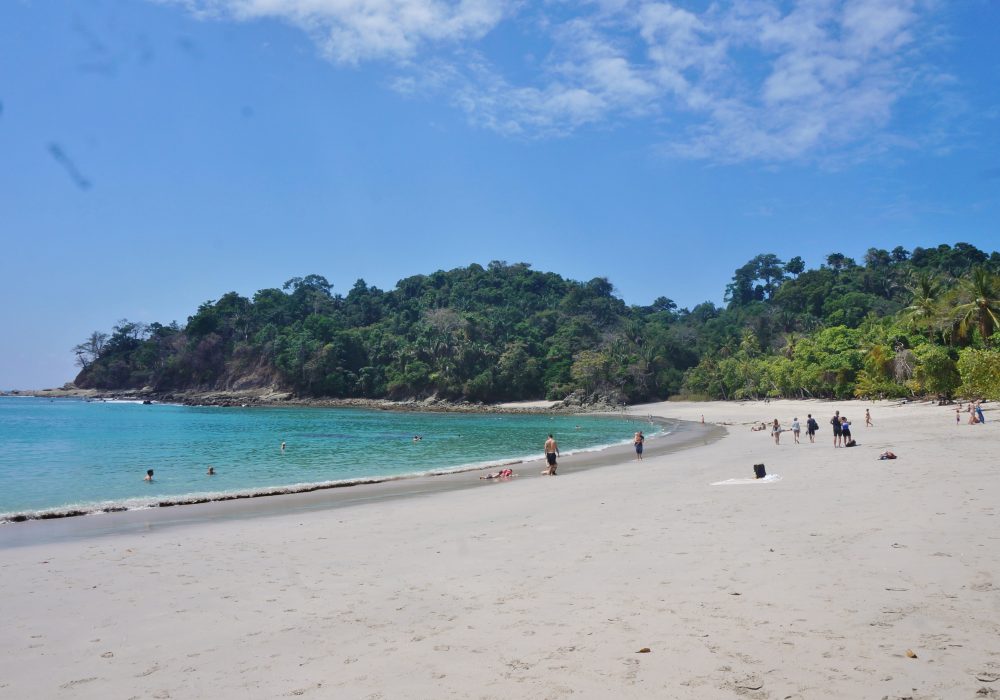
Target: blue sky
157, 154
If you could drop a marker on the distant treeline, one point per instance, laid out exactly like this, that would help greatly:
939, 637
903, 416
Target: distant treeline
898, 324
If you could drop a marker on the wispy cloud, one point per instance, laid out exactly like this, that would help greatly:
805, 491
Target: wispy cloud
761, 80
350, 31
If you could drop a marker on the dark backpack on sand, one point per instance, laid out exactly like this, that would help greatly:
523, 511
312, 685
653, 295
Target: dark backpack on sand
759, 471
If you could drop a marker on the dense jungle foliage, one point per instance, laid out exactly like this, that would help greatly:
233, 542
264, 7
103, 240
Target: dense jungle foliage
901, 323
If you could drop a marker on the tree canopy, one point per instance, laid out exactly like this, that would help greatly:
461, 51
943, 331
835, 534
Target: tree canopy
901, 323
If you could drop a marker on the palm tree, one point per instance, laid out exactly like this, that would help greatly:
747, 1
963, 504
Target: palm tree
981, 290
924, 305
789, 348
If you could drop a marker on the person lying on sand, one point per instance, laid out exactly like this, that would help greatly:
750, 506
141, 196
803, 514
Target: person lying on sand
502, 474
887, 455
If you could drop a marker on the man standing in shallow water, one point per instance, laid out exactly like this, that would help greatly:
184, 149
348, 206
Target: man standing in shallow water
551, 452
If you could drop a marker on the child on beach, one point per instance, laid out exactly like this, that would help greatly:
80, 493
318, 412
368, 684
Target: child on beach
638, 440
868, 419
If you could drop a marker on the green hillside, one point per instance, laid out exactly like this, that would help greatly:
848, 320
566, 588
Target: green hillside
899, 323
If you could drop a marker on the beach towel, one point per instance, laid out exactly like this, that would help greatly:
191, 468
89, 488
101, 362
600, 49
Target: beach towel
769, 479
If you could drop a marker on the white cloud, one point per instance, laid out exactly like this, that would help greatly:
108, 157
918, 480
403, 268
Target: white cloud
761, 80
349, 31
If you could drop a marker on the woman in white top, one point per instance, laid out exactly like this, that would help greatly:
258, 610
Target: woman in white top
795, 429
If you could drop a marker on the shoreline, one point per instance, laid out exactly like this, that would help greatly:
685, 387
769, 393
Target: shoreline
14, 527
261, 398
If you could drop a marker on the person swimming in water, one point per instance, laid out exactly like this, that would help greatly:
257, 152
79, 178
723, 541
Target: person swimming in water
149, 475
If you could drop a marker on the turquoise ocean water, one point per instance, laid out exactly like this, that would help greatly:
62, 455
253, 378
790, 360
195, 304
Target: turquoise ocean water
67, 454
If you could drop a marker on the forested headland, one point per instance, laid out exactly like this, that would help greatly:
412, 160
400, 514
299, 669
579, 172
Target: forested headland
899, 323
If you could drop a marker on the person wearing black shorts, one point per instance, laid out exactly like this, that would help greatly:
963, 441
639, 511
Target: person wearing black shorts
837, 434
637, 441
811, 427
551, 452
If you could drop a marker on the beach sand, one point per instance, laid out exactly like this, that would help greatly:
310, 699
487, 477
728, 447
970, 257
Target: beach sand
812, 586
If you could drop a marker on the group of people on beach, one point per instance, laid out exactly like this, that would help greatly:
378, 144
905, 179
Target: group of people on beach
841, 429
551, 450
975, 411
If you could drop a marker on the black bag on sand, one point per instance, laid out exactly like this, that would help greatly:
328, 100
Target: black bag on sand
759, 470
851, 443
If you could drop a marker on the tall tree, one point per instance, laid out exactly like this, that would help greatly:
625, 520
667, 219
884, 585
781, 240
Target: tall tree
980, 308
90, 349
924, 308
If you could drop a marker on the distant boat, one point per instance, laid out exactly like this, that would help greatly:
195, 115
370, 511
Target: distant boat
146, 402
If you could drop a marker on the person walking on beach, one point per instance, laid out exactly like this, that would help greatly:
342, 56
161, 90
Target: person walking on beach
868, 419
776, 431
835, 422
795, 430
551, 452
979, 412
811, 427
637, 441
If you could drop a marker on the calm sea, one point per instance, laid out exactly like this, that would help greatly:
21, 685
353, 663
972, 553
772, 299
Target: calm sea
66, 454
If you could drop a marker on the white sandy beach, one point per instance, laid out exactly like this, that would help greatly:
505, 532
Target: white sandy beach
813, 586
